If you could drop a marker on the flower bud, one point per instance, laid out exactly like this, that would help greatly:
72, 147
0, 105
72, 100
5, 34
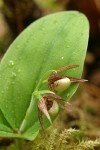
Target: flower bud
61, 84
54, 109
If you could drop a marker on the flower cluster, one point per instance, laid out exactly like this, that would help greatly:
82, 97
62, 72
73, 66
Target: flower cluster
50, 102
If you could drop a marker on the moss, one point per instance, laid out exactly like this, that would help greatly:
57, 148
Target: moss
66, 139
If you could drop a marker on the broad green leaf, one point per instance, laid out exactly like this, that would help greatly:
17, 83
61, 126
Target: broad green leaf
51, 42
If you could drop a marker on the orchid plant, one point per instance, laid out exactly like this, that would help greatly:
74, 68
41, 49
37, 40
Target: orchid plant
40, 72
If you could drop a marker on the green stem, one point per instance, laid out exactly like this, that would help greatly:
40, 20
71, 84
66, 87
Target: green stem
29, 110
44, 79
38, 95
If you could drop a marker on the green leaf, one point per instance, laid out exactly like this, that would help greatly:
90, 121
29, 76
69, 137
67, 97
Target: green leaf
51, 42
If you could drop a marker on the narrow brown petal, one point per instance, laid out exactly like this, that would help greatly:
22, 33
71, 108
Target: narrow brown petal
76, 80
43, 108
54, 97
66, 68
40, 118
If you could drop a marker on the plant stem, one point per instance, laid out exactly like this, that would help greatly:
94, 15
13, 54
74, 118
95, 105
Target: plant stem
44, 79
29, 110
